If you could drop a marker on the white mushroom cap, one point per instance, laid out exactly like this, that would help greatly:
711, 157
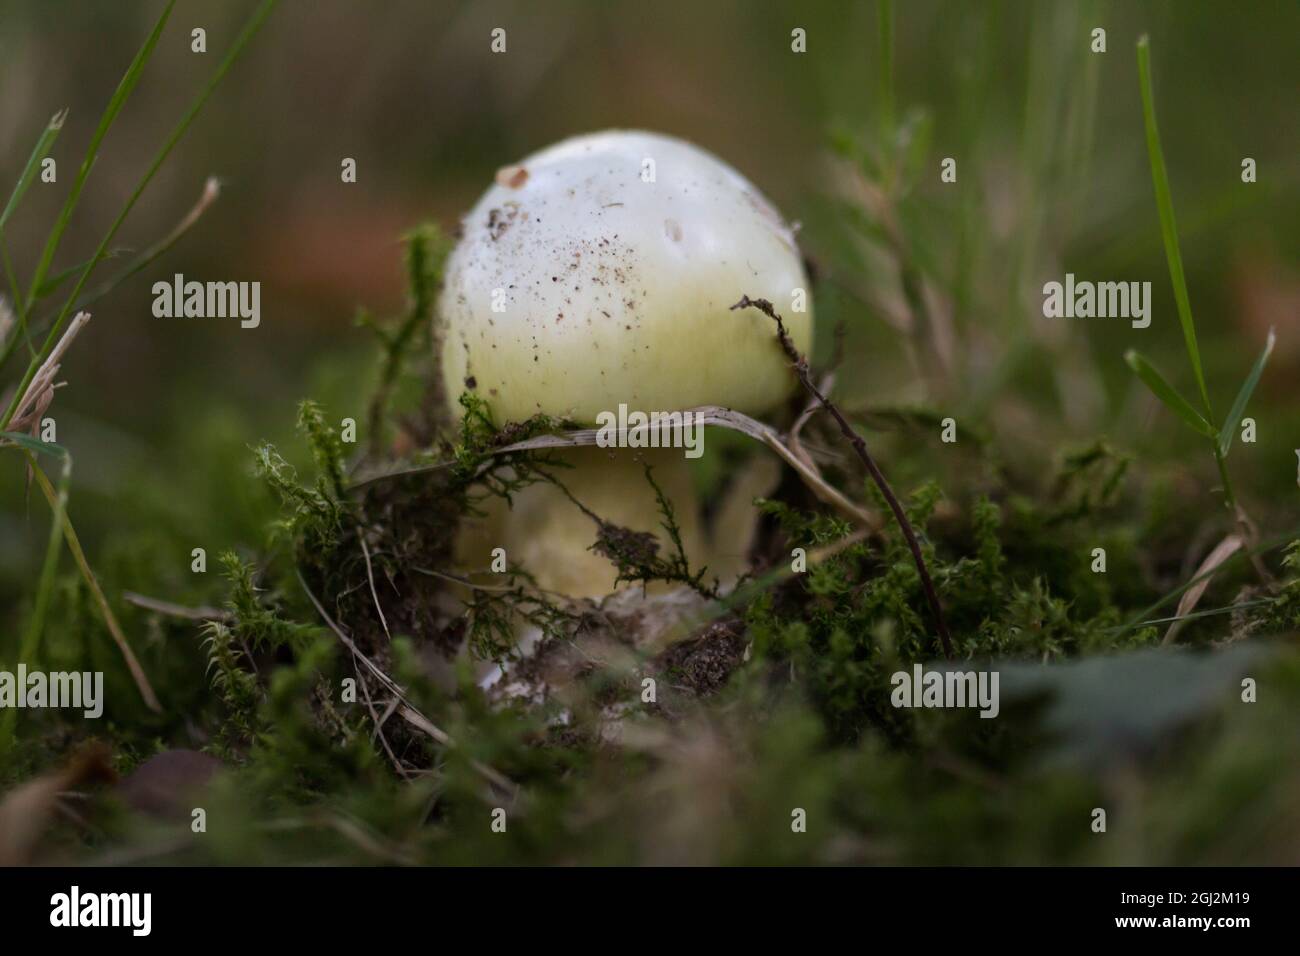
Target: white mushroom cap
616, 289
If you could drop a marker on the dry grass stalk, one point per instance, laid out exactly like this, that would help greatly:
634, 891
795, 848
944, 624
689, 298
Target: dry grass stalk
40, 391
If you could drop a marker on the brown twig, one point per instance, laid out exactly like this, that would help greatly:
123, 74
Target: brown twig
407, 710
800, 365
370, 576
704, 415
167, 608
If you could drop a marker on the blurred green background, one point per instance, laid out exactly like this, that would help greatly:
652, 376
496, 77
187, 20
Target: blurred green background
1052, 177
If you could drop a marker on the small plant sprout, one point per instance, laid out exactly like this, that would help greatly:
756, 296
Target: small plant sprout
1202, 420
582, 284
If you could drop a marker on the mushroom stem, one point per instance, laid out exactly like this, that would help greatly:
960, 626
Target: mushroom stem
549, 529
800, 364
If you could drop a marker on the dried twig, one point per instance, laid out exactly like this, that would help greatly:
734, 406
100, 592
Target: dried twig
167, 608
800, 365
380, 721
408, 711
812, 408
370, 576
705, 415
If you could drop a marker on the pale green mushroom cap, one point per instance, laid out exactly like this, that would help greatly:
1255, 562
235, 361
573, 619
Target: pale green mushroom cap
618, 290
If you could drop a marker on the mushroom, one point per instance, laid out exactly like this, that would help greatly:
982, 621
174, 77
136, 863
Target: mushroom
597, 273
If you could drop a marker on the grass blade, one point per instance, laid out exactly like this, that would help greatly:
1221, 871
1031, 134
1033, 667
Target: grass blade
123, 92
52, 284
45, 587
250, 29
1140, 619
1168, 227
1247, 389
211, 190
35, 444
97, 593
9, 338
1166, 393
39, 152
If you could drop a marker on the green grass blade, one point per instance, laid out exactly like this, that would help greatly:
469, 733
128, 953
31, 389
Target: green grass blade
250, 29
1247, 389
1166, 393
49, 567
39, 152
1168, 227
211, 190
20, 332
35, 444
123, 92
1263, 548
52, 284
56, 281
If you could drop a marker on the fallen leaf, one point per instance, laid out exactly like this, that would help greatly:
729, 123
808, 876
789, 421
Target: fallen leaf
26, 811
1222, 551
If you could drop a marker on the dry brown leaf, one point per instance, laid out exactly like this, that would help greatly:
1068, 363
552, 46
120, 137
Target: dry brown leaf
26, 811
1222, 551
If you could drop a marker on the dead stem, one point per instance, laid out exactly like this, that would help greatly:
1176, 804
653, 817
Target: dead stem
370, 576
168, 609
800, 365
705, 415
97, 594
39, 393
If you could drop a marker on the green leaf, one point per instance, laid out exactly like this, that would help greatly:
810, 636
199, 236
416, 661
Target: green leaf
1247, 389
1102, 709
1168, 227
1165, 392
35, 444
